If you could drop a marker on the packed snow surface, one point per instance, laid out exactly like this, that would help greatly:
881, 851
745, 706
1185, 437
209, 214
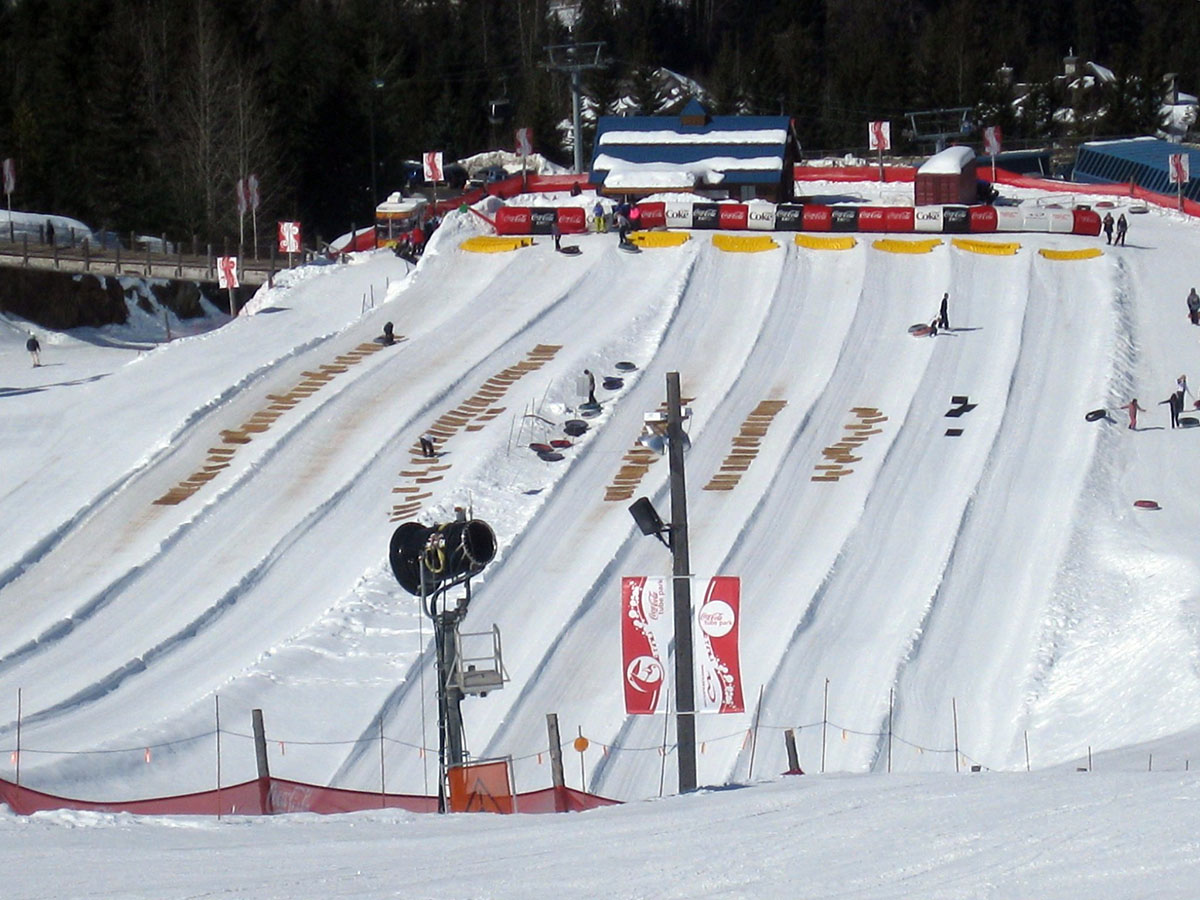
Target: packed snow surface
978, 590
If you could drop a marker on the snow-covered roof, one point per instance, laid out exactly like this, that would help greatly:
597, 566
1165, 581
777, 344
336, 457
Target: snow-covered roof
950, 161
668, 150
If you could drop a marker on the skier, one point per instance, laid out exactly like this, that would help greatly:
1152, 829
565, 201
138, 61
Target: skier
1122, 227
1133, 409
427, 448
943, 316
591, 386
34, 349
1193, 305
1108, 226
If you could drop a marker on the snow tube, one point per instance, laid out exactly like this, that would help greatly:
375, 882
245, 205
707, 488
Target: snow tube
613, 384
540, 448
569, 250
559, 444
1096, 414
626, 366
550, 456
920, 330
575, 427
1146, 504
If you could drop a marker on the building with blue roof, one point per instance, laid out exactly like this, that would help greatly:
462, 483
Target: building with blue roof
739, 157
1144, 161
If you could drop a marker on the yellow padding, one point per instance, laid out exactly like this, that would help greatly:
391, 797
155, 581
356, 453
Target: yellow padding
1085, 253
748, 244
490, 244
995, 248
890, 245
659, 238
813, 242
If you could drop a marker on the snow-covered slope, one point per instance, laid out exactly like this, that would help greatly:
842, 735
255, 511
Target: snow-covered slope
993, 590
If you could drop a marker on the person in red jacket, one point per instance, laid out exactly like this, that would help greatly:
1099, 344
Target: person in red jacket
1133, 409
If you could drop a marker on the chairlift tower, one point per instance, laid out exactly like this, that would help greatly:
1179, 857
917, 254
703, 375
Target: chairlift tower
575, 59
937, 126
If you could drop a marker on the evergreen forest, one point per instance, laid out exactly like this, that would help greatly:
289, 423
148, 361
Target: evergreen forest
144, 114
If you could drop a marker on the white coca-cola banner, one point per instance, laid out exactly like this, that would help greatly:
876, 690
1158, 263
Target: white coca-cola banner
718, 614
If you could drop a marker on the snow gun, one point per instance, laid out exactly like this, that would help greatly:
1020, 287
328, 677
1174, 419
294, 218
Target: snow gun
440, 554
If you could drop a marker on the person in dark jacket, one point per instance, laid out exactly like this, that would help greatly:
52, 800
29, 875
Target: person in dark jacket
389, 336
1108, 226
591, 386
1122, 227
556, 233
34, 349
943, 316
1193, 305
1175, 405
427, 448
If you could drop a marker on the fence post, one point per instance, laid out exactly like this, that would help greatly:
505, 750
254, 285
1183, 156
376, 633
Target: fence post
217, 706
382, 772
18, 737
25, 252
118, 262
891, 706
824, 724
87, 255
789, 738
954, 711
260, 758
754, 737
556, 761
1026, 751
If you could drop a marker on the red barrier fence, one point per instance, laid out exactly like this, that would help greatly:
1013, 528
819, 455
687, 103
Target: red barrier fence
269, 796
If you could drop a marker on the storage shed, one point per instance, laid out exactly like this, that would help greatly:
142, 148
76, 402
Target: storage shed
946, 177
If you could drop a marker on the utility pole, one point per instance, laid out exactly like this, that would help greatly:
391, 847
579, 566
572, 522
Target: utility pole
574, 58
685, 720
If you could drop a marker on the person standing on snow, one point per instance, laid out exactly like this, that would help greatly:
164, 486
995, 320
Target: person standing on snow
943, 316
1174, 405
1133, 409
34, 349
1108, 226
1122, 227
556, 233
591, 380
427, 448
1193, 305
598, 212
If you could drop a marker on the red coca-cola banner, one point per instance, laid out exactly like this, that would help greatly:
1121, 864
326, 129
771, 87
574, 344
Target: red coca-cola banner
513, 220
816, 217
646, 628
981, 219
732, 216
654, 215
718, 665
572, 219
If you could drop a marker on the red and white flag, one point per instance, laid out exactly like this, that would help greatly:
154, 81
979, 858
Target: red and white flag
289, 237
431, 162
879, 136
992, 136
252, 192
715, 646
646, 629
1179, 168
525, 141
10, 176
227, 271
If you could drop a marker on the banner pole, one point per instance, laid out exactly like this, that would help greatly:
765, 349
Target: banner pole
824, 725
662, 775
18, 737
754, 738
217, 706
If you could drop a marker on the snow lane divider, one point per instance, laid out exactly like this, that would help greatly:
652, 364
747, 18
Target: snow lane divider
489, 244
659, 238
470, 415
219, 457
745, 445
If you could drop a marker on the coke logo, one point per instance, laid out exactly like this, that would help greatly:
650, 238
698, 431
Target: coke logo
717, 618
644, 673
